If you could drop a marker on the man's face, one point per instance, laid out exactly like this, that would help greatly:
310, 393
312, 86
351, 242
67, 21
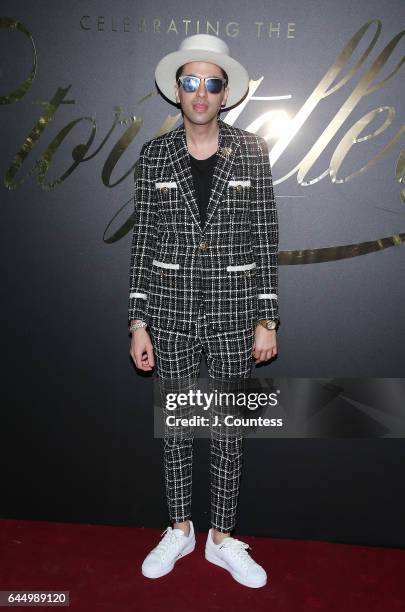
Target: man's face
200, 106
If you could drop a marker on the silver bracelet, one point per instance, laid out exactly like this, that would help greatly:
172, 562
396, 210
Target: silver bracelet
135, 326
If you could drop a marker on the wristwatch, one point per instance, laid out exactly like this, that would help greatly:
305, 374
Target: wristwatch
269, 323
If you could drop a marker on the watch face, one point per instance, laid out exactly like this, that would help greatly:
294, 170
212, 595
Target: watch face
271, 324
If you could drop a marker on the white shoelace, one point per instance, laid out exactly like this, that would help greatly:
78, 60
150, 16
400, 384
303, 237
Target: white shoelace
240, 549
168, 541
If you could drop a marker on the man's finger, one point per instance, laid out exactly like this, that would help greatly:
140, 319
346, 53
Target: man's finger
133, 357
149, 350
139, 360
260, 356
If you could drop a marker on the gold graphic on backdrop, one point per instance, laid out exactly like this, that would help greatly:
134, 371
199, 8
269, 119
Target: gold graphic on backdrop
17, 94
324, 89
353, 136
334, 253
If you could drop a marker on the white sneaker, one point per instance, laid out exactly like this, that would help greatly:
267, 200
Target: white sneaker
231, 554
161, 559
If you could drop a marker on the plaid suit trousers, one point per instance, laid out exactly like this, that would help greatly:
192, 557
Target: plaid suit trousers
229, 358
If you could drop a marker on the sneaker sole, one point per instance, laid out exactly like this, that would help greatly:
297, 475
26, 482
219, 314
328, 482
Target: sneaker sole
184, 553
235, 576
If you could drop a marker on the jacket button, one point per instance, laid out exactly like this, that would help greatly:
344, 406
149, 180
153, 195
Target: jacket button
203, 245
165, 189
239, 187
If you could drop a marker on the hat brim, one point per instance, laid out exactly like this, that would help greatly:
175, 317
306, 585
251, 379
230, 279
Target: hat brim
165, 73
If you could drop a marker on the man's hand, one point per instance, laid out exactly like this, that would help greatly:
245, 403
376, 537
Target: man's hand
142, 350
265, 344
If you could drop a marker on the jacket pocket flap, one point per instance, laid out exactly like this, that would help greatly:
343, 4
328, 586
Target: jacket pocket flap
235, 183
166, 185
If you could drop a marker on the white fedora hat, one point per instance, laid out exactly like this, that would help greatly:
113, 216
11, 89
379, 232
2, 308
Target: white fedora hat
202, 48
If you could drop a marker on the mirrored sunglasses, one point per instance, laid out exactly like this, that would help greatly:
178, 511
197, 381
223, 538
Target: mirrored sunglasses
191, 83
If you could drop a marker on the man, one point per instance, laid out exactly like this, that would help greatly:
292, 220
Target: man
204, 277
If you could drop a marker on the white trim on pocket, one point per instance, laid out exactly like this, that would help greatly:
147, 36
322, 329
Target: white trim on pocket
264, 296
163, 264
167, 184
241, 183
134, 294
241, 267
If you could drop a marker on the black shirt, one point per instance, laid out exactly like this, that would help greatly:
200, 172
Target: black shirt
202, 171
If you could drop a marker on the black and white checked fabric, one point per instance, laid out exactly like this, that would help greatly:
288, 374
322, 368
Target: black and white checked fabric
178, 358
231, 262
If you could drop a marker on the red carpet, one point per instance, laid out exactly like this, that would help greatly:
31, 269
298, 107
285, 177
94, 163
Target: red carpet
100, 566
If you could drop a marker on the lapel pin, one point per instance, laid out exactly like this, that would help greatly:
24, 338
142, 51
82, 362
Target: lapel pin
227, 151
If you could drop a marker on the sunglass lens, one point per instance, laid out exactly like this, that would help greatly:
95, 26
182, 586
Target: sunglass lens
214, 85
190, 84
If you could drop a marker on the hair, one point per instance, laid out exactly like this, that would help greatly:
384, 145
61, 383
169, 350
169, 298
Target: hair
179, 71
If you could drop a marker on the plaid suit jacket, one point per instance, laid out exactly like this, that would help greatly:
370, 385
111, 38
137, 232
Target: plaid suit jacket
231, 262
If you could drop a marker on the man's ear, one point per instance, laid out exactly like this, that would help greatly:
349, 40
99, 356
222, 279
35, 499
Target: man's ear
176, 93
225, 96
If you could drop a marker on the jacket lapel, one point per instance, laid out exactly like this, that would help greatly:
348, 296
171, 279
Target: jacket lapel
180, 160
227, 151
